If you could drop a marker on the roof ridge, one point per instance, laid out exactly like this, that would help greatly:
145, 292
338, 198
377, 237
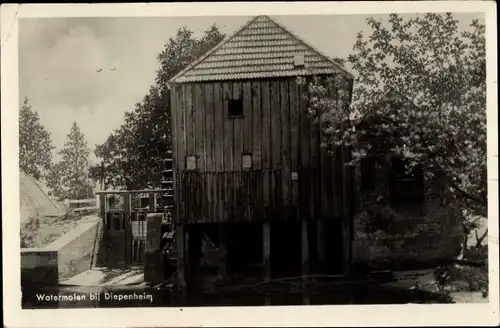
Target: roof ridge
233, 35
211, 51
327, 58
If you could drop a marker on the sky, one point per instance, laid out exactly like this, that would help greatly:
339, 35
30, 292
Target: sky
59, 59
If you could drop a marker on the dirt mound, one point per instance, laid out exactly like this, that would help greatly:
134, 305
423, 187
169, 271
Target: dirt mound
34, 200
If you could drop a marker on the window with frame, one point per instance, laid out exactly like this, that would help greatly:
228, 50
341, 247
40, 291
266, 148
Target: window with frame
235, 108
406, 184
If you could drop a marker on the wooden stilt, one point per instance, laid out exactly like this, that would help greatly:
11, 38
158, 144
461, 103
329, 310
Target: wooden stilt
267, 251
181, 274
222, 254
267, 299
306, 300
321, 245
346, 209
305, 249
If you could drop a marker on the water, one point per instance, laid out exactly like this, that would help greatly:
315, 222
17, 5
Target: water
122, 297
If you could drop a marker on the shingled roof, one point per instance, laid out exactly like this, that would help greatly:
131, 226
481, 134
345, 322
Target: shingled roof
261, 48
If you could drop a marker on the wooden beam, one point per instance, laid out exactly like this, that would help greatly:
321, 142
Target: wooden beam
127, 207
181, 274
222, 254
266, 231
321, 243
102, 206
305, 248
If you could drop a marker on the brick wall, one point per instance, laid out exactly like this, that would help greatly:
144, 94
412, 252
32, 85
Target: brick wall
404, 235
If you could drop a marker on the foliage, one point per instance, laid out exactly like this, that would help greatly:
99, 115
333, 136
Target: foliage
29, 232
35, 144
421, 92
133, 155
69, 177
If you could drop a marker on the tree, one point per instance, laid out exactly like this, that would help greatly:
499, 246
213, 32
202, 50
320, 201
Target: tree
69, 177
35, 144
132, 157
421, 85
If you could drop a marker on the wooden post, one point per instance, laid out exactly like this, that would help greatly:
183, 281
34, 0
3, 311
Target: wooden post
222, 254
305, 249
67, 204
102, 206
153, 270
267, 251
321, 244
346, 210
127, 228
181, 275
152, 203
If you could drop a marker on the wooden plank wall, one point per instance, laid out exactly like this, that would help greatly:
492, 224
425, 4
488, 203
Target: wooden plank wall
275, 129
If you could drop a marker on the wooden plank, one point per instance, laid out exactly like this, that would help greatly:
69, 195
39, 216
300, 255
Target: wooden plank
222, 196
181, 141
304, 129
247, 117
228, 130
275, 125
266, 126
285, 144
190, 122
174, 108
209, 196
209, 127
199, 131
294, 137
256, 125
219, 117
238, 131
266, 237
294, 125
325, 180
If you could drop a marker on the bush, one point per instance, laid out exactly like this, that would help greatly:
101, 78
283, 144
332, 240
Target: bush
29, 232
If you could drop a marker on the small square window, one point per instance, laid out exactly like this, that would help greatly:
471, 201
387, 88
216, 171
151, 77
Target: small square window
235, 108
191, 162
295, 176
246, 160
299, 61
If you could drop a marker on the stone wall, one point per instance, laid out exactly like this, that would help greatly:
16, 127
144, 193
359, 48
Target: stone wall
405, 235
76, 249
69, 255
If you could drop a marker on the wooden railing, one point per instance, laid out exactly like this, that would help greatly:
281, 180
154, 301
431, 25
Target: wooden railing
80, 205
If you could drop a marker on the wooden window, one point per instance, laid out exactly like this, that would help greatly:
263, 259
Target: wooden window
235, 108
368, 173
406, 186
246, 161
191, 162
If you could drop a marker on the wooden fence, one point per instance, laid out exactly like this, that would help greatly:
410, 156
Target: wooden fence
81, 205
